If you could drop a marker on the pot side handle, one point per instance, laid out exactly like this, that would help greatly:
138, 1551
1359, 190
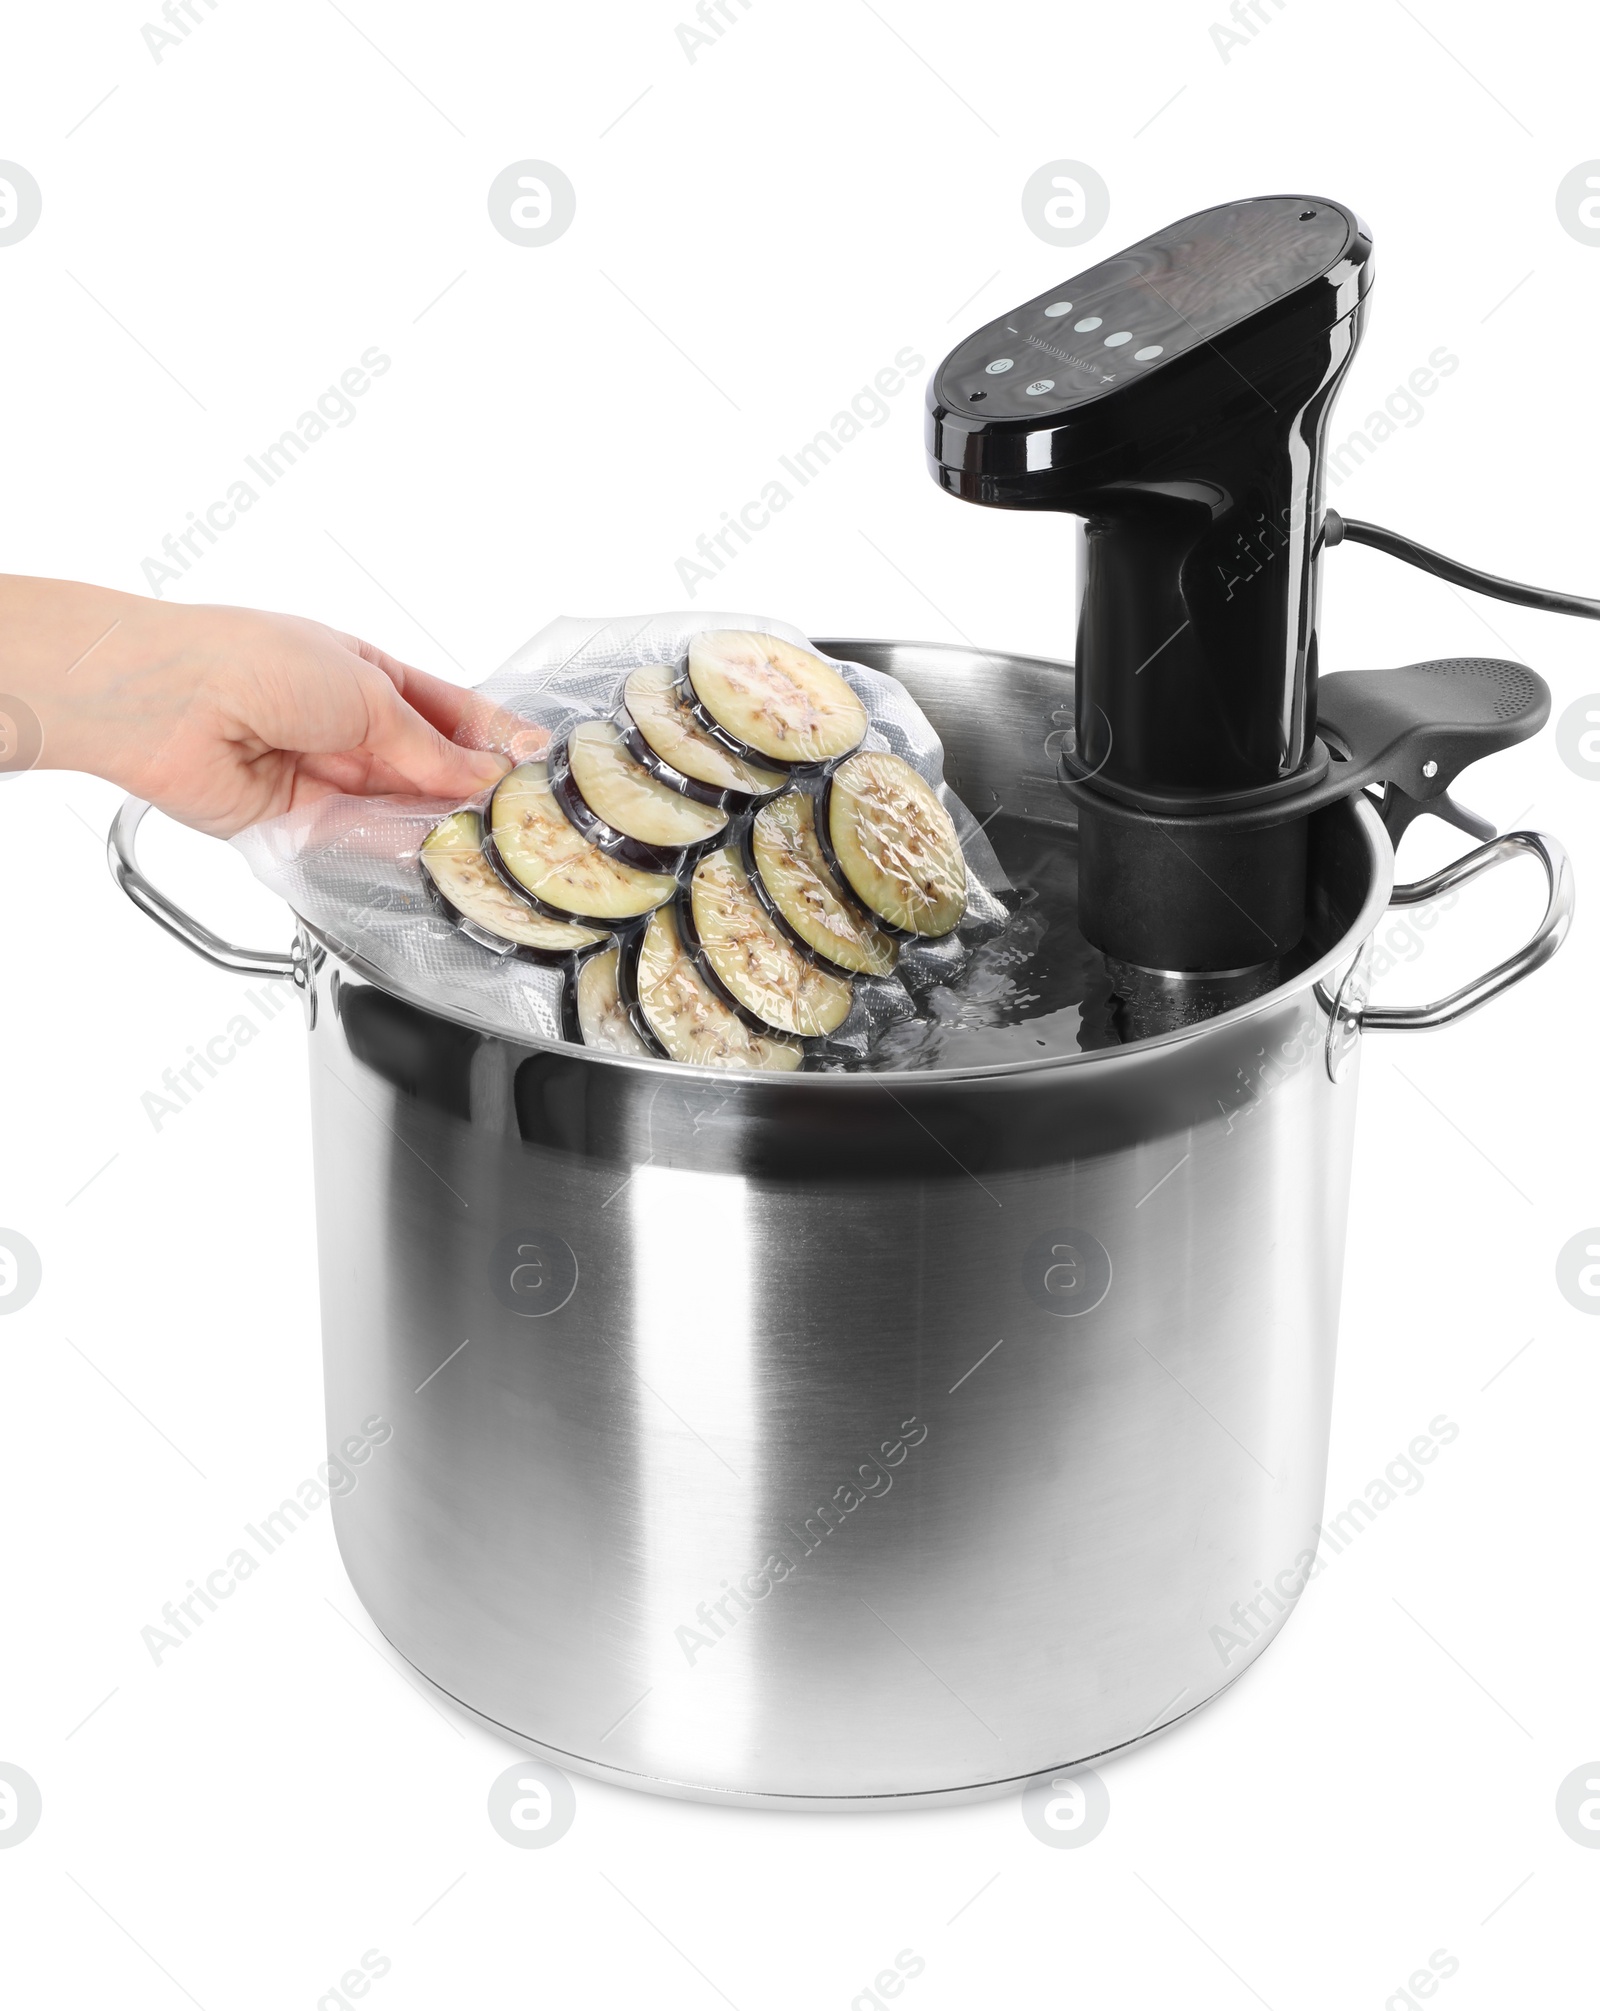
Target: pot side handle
1540, 947
125, 870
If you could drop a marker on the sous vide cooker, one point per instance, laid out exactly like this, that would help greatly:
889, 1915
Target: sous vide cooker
1176, 398
863, 1439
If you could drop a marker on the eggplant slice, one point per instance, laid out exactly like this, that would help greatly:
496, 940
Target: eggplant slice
790, 873
619, 806
452, 856
555, 865
772, 701
683, 1013
741, 949
661, 731
894, 845
603, 1018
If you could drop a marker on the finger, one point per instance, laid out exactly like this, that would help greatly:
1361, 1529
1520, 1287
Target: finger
458, 712
399, 738
394, 667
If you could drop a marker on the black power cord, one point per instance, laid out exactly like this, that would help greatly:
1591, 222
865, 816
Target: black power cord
1339, 530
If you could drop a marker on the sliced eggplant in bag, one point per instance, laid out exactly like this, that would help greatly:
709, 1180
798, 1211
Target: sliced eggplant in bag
683, 1013
894, 846
554, 865
603, 1017
468, 887
790, 873
620, 806
772, 701
741, 949
661, 731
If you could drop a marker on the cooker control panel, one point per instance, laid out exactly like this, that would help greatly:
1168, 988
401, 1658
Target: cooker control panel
1177, 290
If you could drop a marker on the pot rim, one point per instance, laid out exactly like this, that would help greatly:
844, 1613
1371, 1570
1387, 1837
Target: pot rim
1380, 856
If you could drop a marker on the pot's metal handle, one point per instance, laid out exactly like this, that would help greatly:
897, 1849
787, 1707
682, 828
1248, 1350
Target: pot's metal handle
1540, 947
195, 935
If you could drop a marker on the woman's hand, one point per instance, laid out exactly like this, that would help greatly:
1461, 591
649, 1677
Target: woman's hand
223, 716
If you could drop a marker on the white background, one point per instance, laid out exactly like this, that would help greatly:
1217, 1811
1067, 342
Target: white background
824, 186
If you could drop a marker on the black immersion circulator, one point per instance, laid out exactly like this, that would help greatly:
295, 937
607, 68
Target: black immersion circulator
1176, 398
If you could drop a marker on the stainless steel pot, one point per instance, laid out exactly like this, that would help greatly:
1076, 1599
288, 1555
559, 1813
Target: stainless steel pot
845, 1441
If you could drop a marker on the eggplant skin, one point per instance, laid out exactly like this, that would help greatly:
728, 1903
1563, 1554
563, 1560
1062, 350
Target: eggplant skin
663, 771
468, 888
742, 952
596, 832
789, 869
603, 1019
657, 721
894, 846
623, 800
770, 700
687, 1018
628, 947
554, 865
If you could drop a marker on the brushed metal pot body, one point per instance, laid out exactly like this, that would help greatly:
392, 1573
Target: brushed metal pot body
842, 1441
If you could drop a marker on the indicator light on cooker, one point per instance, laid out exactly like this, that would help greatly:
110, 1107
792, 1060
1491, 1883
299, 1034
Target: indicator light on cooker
1090, 321
1148, 354
1000, 363
1116, 341
1058, 307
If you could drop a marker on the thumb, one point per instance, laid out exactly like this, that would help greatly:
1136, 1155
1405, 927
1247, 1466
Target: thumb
400, 738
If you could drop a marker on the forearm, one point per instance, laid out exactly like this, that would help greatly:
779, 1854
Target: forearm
76, 657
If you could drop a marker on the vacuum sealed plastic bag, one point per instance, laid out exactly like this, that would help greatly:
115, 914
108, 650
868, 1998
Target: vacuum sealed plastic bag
716, 846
